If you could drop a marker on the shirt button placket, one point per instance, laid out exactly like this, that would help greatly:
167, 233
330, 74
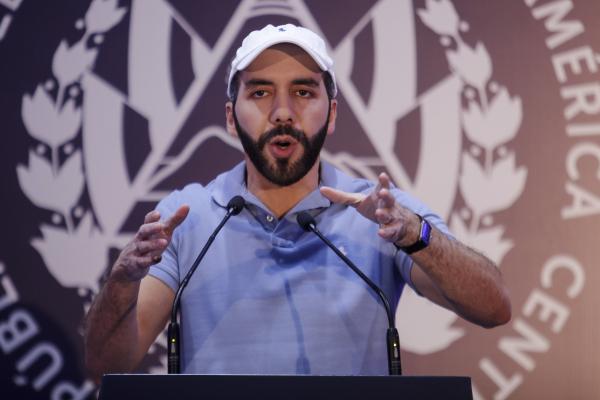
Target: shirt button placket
271, 222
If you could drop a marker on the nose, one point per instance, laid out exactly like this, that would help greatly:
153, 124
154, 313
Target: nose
283, 111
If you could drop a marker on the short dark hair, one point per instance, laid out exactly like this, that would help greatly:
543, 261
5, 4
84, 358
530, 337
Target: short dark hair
235, 86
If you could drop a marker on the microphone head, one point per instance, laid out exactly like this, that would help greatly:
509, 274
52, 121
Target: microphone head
236, 205
306, 221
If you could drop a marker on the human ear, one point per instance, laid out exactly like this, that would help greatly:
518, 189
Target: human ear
332, 116
229, 120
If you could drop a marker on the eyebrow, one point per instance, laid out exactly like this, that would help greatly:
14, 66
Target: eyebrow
306, 82
258, 82
265, 82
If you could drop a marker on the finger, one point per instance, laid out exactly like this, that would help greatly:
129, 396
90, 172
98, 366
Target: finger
384, 180
389, 233
153, 245
386, 200
144, 262
383, 217
147, 230
375, 191
155, 256
152, 216
176, 219
341, 197
152, 258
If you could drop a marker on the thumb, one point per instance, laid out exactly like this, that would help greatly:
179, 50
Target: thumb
341, 197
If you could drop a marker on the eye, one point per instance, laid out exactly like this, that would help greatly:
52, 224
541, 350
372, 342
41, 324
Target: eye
304, 93
259, 93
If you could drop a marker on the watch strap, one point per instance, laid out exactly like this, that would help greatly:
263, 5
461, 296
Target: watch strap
422, 241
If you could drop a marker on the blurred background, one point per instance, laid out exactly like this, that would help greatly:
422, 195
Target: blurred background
487, 111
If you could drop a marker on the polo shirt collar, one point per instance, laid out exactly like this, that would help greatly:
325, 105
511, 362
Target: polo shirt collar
232, 183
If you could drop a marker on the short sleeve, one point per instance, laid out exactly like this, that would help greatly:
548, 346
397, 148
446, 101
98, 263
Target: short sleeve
167, 270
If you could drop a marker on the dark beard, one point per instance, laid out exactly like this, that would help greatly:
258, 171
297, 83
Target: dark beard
283, 172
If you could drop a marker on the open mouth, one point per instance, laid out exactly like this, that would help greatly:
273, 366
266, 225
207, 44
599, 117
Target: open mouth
282, 146
283, 142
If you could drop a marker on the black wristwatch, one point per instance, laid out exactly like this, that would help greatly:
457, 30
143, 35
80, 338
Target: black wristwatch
422, 241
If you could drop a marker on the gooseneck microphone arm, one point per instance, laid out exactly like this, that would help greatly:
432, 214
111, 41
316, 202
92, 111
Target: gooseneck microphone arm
234, 207
308, 223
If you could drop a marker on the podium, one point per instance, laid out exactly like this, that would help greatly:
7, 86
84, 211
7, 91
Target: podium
286, 387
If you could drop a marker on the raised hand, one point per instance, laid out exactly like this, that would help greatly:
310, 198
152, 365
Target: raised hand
397, 224
146, 248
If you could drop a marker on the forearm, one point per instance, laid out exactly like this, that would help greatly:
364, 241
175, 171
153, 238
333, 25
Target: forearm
130, 311
469, 282
448, 272
111, 329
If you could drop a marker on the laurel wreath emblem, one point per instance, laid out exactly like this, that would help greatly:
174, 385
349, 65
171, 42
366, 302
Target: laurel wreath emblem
489, 181
53, 178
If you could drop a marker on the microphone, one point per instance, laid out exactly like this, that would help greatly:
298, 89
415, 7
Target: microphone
308, 223
234, 207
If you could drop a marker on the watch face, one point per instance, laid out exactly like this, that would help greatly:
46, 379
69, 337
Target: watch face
425, 232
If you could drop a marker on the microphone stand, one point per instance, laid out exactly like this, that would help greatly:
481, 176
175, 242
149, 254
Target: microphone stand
308, 223
234, 207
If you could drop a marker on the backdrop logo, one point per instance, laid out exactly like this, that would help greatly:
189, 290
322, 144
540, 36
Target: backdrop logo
467, 122
488, 178
73, 248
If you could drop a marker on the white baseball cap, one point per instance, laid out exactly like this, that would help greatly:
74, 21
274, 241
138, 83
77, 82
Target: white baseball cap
258, 41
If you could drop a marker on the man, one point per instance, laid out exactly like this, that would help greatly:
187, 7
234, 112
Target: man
269, 297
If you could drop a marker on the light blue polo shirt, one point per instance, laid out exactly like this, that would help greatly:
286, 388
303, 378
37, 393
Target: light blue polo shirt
270, 298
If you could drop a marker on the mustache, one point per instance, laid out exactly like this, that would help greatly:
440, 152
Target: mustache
281, 130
